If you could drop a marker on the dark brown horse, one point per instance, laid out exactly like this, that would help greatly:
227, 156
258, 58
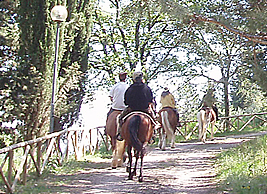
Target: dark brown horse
168, 121
137, 130
117, 147
206, 116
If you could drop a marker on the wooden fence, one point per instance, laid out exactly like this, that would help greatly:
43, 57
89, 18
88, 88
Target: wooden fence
56, 147
36, 154
231, 123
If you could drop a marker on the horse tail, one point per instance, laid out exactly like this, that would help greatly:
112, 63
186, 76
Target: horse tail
133, 129
199, 118
166, 124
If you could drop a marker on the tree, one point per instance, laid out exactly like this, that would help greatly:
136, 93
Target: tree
245, 19
233, 24
137, 34
8, 51
28, 84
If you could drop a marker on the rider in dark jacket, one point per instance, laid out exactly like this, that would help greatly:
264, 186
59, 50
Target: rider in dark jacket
137, 98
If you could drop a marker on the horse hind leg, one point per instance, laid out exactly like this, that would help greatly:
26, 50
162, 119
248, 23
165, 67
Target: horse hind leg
201, 127
160, 139
129, 167
164, 141
120, 148
204, 135
115, 158
212, 130
173, 141
200, 131
137, 155
164, 129
140, 179
114, 162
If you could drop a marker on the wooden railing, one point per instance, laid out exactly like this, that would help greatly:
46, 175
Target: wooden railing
16, 159
236, 122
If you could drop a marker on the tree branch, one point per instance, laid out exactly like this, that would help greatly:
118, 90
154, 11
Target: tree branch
253, 38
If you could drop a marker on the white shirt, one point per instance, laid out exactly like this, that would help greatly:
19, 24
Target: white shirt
117, 94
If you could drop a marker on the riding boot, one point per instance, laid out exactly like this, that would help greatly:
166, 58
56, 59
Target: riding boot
154, 117
123, 114
216, 112
119, 138
177, 115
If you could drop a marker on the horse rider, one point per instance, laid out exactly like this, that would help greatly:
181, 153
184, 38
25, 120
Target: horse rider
167, 100
209, 100
137, 98
116, 94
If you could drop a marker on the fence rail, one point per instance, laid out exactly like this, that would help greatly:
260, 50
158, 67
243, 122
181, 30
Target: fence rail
38, 152
57, 146
231, 123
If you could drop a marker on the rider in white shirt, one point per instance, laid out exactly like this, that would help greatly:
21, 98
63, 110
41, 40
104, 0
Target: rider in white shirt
116, 94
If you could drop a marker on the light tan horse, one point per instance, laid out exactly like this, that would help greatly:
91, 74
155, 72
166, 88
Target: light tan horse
137, 131
206, 116
117, 147
168, 120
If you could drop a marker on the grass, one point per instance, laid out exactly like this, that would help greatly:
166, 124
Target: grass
244, 169
246, 130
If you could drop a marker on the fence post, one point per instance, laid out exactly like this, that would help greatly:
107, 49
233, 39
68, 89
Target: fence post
39, 156
24, 171
10, 164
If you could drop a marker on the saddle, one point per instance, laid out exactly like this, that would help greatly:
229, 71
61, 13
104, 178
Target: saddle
139, 112
207, 110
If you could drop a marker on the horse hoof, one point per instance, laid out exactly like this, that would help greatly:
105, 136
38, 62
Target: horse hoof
113, 167
140, 179
130, 177
128, 169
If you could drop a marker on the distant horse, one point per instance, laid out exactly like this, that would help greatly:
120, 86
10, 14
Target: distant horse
168, 120
117, 147
137, 130
205, 117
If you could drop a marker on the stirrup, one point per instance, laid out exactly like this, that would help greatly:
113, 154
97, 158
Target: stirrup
119, 138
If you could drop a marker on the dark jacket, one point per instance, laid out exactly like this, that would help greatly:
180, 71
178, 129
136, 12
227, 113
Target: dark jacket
138, 96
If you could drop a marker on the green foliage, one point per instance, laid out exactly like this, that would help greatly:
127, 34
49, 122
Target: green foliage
27, 69
139, 34
246, 130
243, 169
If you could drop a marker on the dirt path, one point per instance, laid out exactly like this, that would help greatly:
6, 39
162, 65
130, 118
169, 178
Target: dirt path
187, 169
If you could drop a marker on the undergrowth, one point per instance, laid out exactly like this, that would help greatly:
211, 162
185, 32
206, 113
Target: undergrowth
243, 169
